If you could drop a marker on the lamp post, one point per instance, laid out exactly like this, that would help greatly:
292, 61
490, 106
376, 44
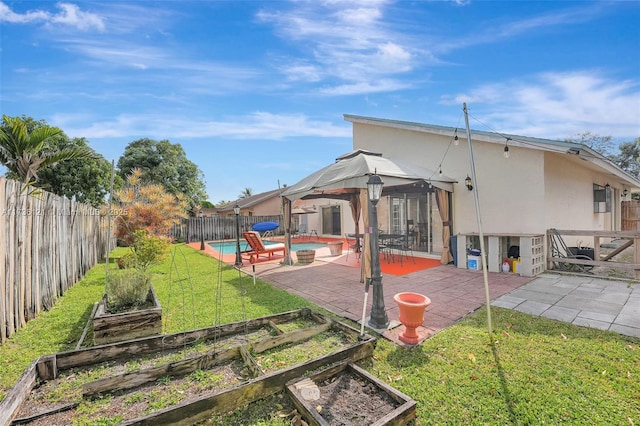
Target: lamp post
201, 215
379, 319
236, 210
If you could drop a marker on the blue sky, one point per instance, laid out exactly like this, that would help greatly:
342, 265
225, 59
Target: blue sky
255, 91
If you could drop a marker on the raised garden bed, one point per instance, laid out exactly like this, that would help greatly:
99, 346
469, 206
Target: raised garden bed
181, 378
109, 328
348, 395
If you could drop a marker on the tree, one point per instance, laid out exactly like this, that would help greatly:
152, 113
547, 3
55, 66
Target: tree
24, 151
208, 205
628, 157
165, 164
602, 144
146, 207
246, 193
84, 180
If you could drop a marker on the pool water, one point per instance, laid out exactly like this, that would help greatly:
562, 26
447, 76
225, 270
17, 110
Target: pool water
229, 247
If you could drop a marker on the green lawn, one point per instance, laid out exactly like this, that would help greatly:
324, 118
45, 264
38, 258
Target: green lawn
536, 371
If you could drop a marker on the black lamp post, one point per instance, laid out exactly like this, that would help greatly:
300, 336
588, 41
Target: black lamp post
379, 319
236, 210
201, 230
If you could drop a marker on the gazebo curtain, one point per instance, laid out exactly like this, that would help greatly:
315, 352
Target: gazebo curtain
442, 199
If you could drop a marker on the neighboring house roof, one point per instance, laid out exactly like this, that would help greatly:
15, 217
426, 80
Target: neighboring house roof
562, 147
249, 202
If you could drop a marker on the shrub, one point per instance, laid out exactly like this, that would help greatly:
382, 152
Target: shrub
127, 290
147, 250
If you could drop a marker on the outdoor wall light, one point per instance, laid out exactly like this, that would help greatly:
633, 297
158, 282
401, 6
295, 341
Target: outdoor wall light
468, 183
624, 193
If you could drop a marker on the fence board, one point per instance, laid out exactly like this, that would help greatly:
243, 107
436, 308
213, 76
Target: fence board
47, 243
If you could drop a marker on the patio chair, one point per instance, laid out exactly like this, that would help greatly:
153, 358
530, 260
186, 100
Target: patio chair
559, 249
400, 244
258, 248
353, 243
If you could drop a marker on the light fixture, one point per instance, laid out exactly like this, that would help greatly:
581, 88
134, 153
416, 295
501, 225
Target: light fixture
468, 183
379, 319
455, 137
624, 193
506, 148
201, 215
374, 188
236, 210
440, 170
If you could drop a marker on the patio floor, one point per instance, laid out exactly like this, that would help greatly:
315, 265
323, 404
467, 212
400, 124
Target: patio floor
328, 282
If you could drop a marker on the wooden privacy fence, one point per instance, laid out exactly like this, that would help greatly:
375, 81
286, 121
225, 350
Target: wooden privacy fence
47, 243
219, 227
630, 214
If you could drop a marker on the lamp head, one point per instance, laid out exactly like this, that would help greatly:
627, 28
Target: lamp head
236, 209
468, 183
374, 188
200, 213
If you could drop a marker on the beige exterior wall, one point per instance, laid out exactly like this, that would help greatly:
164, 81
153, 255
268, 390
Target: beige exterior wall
528, 193
569, 196
509, 202
270, 207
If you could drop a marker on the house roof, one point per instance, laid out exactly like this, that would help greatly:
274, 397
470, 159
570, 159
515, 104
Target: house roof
248, 202
573, 149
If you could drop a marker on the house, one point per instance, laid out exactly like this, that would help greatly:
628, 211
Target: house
525, 186
263, 204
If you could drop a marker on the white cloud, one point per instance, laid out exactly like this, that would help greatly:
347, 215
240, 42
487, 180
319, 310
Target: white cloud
258, 125
69, 15
557, 105
347, 41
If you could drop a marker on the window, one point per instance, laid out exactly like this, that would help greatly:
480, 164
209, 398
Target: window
601, 198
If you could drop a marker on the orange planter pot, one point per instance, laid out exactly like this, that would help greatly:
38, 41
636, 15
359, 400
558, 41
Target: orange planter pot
412, 306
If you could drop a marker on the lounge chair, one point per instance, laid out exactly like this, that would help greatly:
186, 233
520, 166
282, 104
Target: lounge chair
258, 247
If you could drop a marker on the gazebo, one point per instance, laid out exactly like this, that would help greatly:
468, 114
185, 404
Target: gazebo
347, 178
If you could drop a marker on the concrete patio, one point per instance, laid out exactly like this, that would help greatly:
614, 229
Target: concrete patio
581, 300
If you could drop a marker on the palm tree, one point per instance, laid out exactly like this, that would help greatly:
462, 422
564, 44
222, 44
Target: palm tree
246, 193
23, 152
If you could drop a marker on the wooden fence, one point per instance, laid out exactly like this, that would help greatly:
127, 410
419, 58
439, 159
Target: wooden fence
631, 215
47, 243
215, 228
559, 257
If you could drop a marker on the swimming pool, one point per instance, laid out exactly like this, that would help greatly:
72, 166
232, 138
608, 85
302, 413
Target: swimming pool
229, 247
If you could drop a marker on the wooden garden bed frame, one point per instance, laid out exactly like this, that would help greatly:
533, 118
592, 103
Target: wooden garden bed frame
405, 412
225, 400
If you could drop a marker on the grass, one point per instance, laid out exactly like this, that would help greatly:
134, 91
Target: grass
534, 370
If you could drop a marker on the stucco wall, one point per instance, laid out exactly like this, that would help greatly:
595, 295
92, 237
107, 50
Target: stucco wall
511, 191
569, 196
270, 207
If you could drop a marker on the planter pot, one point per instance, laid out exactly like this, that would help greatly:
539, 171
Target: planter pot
412, 306
335, 247
109, 328
306, 256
